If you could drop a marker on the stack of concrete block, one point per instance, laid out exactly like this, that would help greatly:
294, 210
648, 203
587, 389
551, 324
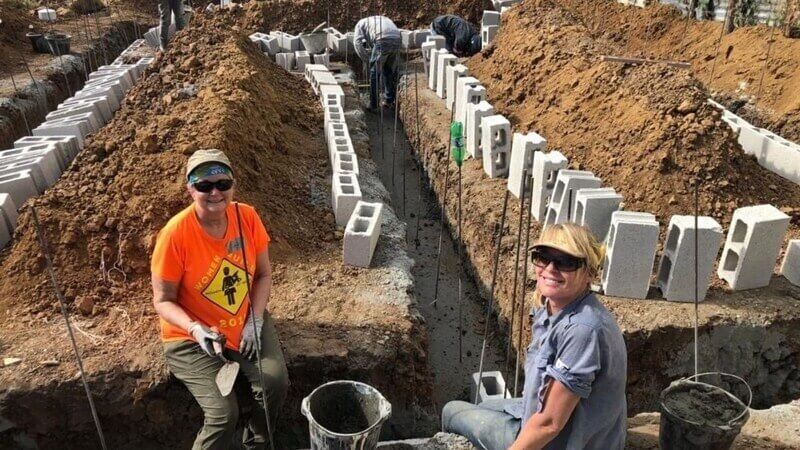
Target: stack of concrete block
452, 74
676, 270
562, 202
269, 45
752, 247
8, 219
545, 172
444, 62
301, 58
285, 60
790, 268
630, 252
287, 43
593, 209
361, 234
472, 130
492, 386
495, 145
523, 147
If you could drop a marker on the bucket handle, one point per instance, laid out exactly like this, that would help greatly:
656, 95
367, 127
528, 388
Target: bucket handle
695, 379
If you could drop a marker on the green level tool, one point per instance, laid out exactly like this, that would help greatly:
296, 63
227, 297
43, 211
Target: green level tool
457, 142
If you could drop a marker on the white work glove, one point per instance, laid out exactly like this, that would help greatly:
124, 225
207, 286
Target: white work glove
204, 336
250, 337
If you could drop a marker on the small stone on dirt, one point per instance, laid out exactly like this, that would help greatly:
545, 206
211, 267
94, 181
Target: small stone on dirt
85, 305
11, 361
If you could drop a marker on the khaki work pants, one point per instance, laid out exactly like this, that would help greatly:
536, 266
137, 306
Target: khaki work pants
198, 371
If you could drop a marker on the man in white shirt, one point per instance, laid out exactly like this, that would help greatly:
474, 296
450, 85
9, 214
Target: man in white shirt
377, 41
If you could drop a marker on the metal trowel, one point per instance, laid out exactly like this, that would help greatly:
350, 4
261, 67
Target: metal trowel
226, 376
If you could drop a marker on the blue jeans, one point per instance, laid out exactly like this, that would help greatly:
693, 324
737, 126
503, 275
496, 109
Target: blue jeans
487, 425
165, 9
384, 59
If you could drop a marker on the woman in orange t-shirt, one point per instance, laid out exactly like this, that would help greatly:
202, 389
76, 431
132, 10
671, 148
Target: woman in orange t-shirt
201, 295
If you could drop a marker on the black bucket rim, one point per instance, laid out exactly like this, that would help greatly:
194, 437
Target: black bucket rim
694, 378
304, 408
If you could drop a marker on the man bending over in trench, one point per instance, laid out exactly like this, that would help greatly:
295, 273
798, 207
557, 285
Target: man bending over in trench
197, 303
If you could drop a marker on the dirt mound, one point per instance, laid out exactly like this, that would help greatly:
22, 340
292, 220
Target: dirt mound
660, 31
646, 131
297, 16
12, 31
104, 213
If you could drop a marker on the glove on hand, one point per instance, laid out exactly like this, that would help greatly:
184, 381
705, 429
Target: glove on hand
204, 336
250, 337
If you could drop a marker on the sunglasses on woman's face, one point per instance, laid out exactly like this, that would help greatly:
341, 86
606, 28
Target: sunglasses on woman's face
562, 262
205, 186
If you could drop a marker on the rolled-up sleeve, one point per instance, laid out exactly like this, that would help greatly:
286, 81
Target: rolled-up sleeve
577, 359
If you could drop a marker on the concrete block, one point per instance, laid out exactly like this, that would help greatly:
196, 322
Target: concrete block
64, 127
523, 146
780, 156
470, 96
335, 129
55, 160
319, 78
124, 75
324, 59
8, 219
44, 171
117, 86
753, 243
106, 92
420, 37
488, 34
333, 114
285, 60
339, 143
472, 131
490, 18
751, 140
433, 76
287, 42
345, 162
545, 172
438, 41
593, 209
426, 50
562, 202
99, 104
445, 61
309, 70
47, 14
327, 91
67, 145
495, 145
406, 38
676, 270
89, 113
462, 84
491, 387
630, 252
19, 185
790, 268
301, 58
362, 233
503, 5
453, 73
345, 194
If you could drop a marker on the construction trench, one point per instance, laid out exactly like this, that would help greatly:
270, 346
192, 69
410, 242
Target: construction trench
646, 130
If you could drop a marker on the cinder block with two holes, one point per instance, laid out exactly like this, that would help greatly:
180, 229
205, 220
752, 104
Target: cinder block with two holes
89, 113
19, 185
333, 114
320, 78
445, 61
545, 171
453, 73
471, 95
562, 202
426, 49
593, 209
39, 167
77, 127
309, 70
462, 84
345, 193
492, 386
53, 158
106, 92
630, 252
433, 76
345, 162
676, 270
490, 18
101, 103
339, 144
488, 34
752, 247
790, 268
327, 91
522, 149
495, 145
285, 60
472, 130
67, 145
301, 58
362, 233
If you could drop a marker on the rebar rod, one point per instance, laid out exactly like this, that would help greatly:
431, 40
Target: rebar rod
444, 213
516, 272
524, 290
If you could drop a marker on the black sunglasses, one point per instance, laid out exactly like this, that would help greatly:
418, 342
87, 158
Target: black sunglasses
562, 263
205, 186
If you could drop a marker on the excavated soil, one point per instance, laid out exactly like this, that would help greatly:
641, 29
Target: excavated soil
737, 62
213, 89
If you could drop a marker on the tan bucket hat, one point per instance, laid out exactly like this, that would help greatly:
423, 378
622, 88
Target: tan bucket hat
206, 156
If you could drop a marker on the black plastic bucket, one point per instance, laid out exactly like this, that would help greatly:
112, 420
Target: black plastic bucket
57, 43
38, 43
345, 415
702, 415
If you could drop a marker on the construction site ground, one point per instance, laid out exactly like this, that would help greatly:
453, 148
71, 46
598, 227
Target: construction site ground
645, 130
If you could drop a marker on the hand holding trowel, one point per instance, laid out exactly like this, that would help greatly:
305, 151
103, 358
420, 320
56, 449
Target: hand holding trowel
226, 376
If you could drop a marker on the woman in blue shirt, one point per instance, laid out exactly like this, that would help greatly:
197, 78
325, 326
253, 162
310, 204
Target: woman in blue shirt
575, 366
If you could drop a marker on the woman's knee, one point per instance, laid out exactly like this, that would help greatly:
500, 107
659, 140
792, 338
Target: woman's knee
450, 411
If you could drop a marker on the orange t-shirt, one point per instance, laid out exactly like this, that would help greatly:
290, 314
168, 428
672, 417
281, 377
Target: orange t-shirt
213, 290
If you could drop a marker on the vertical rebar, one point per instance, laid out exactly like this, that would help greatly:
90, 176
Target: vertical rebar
419, 152
460, 271
696, 280
524, 290
516, 272
766, 61
100, 38
444, 212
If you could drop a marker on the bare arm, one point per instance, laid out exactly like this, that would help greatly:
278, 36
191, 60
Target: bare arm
165, 301
262, 283
542, 427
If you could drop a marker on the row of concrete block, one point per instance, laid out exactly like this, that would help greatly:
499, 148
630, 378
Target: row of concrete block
360, 219
36, 162
773, 152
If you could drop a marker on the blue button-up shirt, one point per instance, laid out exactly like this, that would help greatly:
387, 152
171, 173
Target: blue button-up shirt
581, 347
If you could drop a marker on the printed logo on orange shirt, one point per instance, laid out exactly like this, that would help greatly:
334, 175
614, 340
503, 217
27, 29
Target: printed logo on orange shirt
228, 288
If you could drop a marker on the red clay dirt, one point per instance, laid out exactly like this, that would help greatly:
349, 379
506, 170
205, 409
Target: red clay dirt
101, 219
